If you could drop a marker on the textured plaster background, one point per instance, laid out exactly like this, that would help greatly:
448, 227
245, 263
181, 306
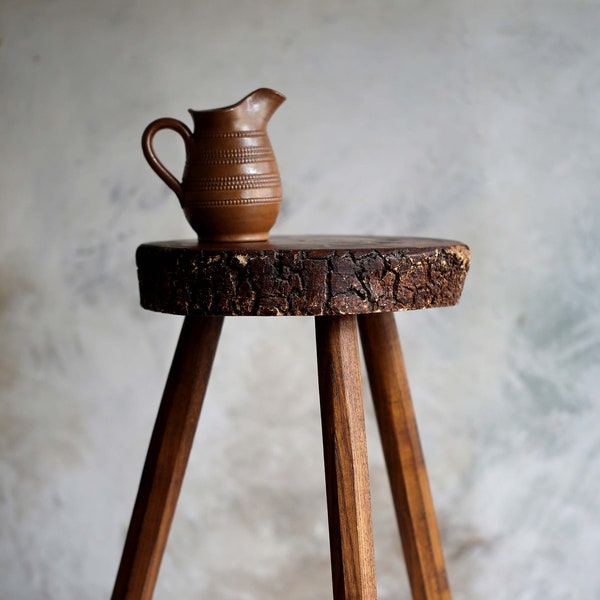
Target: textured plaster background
471, 120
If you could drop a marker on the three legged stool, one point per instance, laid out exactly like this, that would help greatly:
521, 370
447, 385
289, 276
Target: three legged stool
343, 282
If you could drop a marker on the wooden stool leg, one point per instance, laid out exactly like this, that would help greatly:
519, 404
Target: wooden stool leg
167, 458
345, 450
404, 458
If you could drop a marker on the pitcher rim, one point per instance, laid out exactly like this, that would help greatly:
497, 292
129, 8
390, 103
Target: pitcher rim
236, 104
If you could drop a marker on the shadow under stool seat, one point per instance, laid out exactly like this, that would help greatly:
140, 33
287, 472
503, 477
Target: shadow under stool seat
351, 285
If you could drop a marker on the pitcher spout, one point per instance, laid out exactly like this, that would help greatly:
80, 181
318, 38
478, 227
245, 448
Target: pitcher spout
260, 105
251, 113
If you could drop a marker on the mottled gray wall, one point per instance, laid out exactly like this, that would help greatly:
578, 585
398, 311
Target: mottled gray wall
471, 120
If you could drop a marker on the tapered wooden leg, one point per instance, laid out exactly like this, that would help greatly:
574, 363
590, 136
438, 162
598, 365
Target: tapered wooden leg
404, 458
345, 450
167, 458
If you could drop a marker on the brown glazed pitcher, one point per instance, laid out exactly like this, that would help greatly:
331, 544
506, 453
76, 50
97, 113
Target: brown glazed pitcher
230, 189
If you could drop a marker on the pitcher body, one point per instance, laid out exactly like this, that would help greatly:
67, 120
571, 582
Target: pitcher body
231, 187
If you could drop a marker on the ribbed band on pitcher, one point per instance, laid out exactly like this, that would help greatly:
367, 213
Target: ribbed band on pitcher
232, 201
234, 156
233, 182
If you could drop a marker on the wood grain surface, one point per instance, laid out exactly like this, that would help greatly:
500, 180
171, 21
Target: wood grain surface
345, 451
404, 457
167, 458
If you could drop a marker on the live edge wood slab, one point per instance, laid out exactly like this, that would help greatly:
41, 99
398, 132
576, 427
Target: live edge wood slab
308, 275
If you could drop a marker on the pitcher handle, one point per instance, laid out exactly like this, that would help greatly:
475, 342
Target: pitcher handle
153, 161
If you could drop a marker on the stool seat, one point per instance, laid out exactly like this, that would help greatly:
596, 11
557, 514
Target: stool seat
308, 275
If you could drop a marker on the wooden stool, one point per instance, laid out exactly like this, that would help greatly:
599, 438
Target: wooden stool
339, 280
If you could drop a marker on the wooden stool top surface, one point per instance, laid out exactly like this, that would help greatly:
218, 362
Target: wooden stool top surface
301, 275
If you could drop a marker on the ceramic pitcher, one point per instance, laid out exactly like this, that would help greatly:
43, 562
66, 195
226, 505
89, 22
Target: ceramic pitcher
231, 188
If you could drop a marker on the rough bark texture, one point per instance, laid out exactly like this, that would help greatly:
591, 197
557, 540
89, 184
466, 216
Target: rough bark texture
301, 276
